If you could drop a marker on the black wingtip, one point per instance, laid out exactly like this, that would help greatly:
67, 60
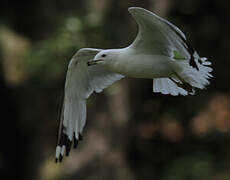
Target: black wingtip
75, 143
193, 63
60, 158
65, 141
67, 152
80, 137
68, 147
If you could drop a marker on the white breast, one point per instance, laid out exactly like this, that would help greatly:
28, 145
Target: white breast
143, 66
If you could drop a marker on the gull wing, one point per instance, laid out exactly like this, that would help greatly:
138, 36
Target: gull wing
157, 35
81, 81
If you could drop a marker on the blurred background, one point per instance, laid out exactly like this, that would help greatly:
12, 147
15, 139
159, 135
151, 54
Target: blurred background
131, 133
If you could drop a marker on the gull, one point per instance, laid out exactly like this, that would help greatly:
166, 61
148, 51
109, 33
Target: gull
159, 52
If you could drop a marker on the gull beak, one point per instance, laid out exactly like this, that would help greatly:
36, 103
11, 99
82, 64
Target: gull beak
94, 62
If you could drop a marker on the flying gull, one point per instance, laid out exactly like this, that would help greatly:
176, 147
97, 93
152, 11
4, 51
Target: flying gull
159, 52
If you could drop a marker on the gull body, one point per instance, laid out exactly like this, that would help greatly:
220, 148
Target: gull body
159, 52
128, 62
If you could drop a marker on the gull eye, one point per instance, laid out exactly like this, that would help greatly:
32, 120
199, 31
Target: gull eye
103, 55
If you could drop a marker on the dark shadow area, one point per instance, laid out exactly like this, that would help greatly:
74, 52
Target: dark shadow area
131, 132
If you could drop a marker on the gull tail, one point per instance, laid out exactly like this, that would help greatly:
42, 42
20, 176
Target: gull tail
167, 86
187, 80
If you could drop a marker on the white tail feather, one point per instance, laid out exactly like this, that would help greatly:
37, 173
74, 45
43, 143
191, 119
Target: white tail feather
166, 86
196, 78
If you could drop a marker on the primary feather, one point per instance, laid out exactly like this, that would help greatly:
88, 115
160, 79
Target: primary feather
81, 81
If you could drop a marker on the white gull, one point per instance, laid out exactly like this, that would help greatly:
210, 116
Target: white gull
159, 52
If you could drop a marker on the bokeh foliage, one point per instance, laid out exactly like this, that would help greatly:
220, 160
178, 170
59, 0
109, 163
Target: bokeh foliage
131, 133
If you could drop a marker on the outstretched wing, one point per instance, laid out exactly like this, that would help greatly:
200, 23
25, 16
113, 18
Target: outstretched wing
81, 81
157, 35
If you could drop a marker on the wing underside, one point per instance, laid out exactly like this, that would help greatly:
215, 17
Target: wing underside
81, 81
159, 36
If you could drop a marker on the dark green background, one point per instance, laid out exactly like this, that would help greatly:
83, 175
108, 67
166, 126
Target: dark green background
131, 133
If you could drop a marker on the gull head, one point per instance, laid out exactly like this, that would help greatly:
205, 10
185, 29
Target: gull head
102, 58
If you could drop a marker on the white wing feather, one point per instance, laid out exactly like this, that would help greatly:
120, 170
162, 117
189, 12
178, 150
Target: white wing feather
81, 81
157, 35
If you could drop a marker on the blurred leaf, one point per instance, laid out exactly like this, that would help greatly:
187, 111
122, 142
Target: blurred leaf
194, 167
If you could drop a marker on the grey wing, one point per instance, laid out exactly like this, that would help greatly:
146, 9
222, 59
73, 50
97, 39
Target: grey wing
157, 35
81, 81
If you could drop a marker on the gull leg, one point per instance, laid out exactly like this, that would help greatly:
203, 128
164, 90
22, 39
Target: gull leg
182, 84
